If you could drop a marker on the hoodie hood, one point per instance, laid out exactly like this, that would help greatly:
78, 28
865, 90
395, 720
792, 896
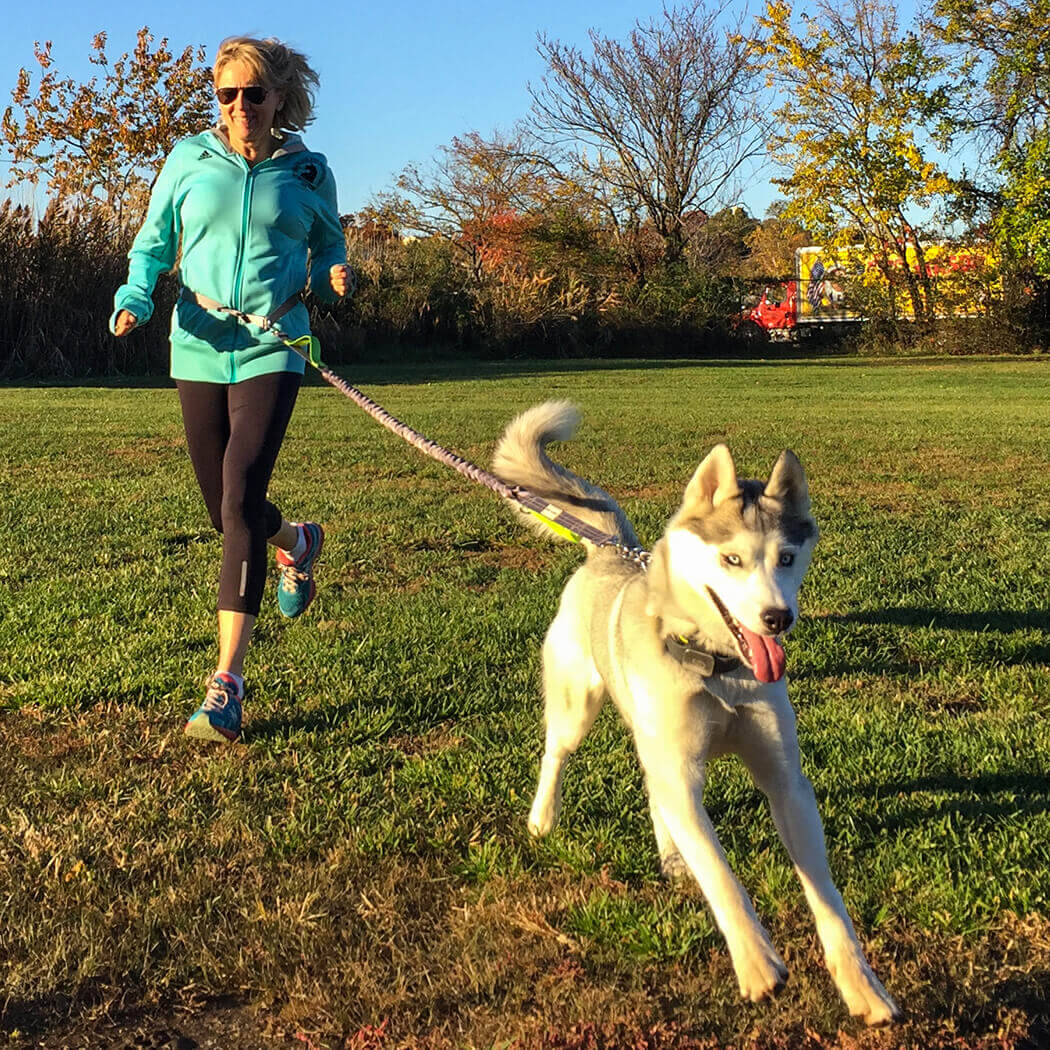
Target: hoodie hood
290, 142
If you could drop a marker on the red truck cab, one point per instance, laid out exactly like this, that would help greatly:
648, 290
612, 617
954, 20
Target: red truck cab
774, 316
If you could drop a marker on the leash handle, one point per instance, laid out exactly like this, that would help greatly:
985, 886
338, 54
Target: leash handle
310, 343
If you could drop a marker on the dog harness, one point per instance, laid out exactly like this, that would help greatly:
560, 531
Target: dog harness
265, 323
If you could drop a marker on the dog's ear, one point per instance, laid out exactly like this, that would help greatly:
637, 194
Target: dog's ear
787, 484
713, 483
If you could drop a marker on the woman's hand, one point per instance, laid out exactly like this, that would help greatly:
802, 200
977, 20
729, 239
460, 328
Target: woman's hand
124, 323
341, 278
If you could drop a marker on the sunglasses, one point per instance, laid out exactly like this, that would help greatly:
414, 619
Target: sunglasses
253, 94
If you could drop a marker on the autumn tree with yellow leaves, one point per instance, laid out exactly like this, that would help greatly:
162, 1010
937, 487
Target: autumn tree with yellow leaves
999, 51
859, 97
97, 145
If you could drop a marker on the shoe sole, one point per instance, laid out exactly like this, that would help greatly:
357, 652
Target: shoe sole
202, 729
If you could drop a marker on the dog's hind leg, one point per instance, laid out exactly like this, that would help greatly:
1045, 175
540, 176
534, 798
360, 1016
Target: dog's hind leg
573, 696
769, 748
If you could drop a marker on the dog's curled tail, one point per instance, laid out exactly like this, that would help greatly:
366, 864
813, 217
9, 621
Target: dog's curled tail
521, 459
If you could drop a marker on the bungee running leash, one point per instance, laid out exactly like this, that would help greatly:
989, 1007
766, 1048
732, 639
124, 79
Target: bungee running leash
308, 347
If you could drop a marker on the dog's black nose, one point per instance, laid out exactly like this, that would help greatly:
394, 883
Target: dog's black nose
777, 620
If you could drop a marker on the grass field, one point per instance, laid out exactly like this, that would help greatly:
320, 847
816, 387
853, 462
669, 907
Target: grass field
357, 872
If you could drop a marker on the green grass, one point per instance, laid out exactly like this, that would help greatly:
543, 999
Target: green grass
363, 857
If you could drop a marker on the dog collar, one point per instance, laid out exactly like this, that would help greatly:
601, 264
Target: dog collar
691, 656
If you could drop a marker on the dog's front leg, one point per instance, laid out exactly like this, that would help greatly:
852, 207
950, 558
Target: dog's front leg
573, 696
676, 787
769, 747
671, 863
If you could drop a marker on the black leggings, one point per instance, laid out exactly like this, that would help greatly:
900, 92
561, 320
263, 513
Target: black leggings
234, 434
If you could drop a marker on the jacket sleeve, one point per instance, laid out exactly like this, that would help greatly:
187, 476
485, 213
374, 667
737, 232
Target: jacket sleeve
154, 249
327, 242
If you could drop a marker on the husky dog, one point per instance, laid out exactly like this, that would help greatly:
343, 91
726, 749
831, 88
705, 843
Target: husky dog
689, 651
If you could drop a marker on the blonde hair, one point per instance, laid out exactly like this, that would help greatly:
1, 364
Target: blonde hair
279, 68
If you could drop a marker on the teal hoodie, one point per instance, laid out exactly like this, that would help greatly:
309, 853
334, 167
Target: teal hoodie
245, 233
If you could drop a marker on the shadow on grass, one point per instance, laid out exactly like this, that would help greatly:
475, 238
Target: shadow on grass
352, 723
416, 372
951, 1013
64, 1021
880, 655
340, 717
184, 540
1005, 620
971, 798
402, 373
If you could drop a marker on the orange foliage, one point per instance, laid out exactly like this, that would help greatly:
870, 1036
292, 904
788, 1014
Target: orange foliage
100, 144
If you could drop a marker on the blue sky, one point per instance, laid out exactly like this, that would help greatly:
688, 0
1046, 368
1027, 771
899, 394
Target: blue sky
398, 79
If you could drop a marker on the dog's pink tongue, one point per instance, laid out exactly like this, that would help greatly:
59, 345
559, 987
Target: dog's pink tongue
767, 656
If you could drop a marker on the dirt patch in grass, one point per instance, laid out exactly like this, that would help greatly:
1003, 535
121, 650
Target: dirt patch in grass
416, 745
147, 451
947, 698
508, 556
46, 749
668, 493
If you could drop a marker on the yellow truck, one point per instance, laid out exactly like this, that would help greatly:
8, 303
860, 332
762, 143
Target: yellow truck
966, 281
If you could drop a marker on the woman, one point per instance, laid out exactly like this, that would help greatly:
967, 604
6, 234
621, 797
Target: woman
243, 207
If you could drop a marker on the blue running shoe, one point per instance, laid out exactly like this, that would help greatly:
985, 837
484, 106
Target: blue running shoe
219, 717
297, 587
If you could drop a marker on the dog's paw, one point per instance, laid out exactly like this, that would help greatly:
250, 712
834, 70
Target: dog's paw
760, 972
673, 867
538, 829
542, 819
862, 991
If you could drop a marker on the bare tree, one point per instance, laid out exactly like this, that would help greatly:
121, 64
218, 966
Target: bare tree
659, 126
470, 183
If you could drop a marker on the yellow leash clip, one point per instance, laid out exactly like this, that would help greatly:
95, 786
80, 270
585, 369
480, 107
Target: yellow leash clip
308, 343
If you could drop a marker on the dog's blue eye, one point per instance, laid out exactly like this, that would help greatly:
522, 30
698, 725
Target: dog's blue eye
787, 558
732, 559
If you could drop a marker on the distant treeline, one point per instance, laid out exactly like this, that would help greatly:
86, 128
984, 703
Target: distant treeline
58, 275
543, 293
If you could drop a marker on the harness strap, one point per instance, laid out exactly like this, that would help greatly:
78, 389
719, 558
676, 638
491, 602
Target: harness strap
265, 323
690, 655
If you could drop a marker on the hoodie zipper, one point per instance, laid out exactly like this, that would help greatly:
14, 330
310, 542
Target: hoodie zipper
238, 273
246, 210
